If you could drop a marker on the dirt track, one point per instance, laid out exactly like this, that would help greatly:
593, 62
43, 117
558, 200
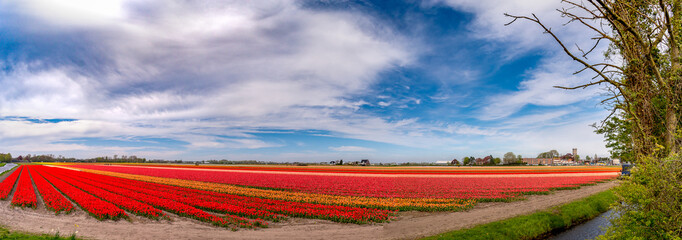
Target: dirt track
409, 225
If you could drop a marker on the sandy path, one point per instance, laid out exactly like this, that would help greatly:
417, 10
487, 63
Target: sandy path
409, 225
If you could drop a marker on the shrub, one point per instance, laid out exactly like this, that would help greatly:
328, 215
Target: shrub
650, 202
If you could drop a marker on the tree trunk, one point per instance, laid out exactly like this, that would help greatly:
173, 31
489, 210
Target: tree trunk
675, 79
671, 130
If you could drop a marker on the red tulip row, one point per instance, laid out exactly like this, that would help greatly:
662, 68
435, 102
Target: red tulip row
166, 204
491, 187
121, 201
96, 207
8, 184
249, 206
245, 206
52, 198
401, 170
294, 209
25, 195
169, 204
168, 192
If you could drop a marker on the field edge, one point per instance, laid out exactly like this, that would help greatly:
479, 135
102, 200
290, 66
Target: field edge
6, 233
540, 224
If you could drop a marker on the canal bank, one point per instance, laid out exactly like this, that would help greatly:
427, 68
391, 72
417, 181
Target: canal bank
7, 167
587, 230
539, 225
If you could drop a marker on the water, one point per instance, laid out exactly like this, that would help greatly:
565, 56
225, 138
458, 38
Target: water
587, 230
7, 167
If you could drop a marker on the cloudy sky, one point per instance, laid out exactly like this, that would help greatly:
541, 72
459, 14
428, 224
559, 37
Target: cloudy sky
290, 80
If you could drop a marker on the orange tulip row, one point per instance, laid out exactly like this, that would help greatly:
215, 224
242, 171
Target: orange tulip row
403, 204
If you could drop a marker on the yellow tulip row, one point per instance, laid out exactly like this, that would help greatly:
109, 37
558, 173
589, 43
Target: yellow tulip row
422, 204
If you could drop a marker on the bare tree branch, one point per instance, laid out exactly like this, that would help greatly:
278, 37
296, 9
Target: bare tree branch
582, 86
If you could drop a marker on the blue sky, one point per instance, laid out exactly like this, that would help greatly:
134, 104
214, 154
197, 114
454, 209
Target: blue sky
290, 80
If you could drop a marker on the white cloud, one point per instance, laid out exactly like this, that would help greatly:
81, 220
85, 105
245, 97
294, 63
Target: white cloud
538, 89
172, 65
522, 37
489, 23
563, 137
351, 149
194, 72
50, 93
465, 129
258, 58
539, 119
71, 12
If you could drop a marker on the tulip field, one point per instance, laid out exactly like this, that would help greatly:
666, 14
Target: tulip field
257, 196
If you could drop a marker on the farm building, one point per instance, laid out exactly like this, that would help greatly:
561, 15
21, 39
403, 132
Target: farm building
364, 162
538, 161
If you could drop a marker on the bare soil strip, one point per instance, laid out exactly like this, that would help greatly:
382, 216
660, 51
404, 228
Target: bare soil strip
409, 225
459, 175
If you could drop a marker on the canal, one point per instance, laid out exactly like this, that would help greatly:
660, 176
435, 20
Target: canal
7, 167
587, 230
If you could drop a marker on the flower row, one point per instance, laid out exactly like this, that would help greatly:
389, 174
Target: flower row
52, 198
25, 195
449, 187
121, 201
145, 201
403, 204
396, 170
96, 207
244, 206
8, 184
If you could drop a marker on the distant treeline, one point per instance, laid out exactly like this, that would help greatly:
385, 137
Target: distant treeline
254, 162
5, 157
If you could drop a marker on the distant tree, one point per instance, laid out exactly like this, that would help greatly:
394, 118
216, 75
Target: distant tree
454, 162
497, 161
466, 161
617, 132
487, 160
588, 158
576, 158
550, 154
520, 159
509, 158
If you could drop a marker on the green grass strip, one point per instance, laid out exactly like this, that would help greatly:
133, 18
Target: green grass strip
7, 234
540, 224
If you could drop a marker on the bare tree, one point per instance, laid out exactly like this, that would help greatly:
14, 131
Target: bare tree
646, 88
